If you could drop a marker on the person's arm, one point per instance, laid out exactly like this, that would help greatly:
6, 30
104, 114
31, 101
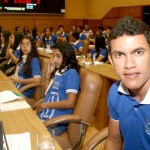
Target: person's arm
114, 139
15, 79
70, 102
100, 58
12, 56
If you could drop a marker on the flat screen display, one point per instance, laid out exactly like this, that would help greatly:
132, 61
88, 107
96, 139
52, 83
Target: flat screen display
32, 6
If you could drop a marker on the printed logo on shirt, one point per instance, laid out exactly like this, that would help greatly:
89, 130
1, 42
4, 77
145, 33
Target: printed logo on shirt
147, 127
56, 85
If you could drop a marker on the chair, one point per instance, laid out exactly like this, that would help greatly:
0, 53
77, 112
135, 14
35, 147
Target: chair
90, 84
85, 47
38, 87
98, 139
10, 69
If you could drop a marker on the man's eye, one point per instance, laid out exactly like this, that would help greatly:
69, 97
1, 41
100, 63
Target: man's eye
139, 53
118, 55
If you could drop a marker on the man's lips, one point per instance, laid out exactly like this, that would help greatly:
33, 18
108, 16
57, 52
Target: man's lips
131, 75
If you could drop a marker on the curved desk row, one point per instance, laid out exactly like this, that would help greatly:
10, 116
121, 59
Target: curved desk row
22, 120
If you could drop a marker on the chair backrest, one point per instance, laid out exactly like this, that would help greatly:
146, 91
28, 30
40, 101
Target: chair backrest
90, 85
39, 91
85, 47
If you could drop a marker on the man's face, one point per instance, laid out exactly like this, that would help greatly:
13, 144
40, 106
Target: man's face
130, 56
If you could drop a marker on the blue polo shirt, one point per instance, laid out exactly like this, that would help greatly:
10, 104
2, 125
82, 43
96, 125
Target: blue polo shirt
82, 36
103, 52
133, 117
77, 45
35, 72
51, 41
62, 84
63, 35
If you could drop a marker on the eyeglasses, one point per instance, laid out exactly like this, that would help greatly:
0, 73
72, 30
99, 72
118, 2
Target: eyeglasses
25, 44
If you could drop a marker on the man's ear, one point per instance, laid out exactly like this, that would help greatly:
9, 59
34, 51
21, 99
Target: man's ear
110, 58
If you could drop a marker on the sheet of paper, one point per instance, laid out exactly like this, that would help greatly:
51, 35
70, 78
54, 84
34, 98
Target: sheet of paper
18, 141
7, 96
14, 106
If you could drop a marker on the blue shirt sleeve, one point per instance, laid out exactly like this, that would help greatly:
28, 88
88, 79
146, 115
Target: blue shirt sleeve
112, 101
72, 81
103, 52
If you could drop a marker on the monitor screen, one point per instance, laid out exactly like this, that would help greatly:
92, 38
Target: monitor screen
32, 6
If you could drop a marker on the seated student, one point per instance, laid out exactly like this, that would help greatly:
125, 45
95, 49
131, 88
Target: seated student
61, 94
47, 39
13, 51
77, 45
28, 68
99, 53
5, 40
87, 31
61, 35
81, 35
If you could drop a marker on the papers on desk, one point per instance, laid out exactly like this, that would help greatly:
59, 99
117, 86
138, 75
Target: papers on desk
7, 96
98, 63
14, 106
19, 141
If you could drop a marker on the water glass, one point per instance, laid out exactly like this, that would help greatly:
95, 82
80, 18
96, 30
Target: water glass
46, 141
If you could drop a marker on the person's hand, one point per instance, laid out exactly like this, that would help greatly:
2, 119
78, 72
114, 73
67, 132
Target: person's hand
50, 66
40, 107
15, 79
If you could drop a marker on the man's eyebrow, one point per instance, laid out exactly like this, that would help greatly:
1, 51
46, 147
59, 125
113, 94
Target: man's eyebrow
117, 51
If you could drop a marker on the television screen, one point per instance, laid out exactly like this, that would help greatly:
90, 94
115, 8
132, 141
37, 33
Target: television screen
32, 6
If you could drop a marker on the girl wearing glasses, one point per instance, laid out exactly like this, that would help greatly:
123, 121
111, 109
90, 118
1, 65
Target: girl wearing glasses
28, 68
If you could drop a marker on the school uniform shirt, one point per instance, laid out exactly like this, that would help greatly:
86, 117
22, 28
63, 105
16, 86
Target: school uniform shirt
133, 117
35, 72
61, 85
82, 36
77, 45
103, 52
64, 35
51, 41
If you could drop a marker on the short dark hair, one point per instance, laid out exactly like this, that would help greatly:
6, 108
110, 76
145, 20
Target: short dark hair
130, 26
76, 35
101, 28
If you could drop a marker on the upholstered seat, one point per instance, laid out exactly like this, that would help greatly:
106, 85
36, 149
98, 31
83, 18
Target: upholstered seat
86, 103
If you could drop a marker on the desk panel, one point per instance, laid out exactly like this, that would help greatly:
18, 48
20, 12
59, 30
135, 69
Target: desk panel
23, 120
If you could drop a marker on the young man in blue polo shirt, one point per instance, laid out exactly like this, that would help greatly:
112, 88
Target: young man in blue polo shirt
129, 99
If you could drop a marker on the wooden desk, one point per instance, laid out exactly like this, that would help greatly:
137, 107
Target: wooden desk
3, 77
24, 120
107, 72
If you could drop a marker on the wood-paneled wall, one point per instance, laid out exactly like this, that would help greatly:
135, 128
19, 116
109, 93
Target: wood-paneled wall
11, 21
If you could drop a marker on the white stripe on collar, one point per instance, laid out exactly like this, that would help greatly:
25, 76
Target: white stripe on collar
62, 71
125, 91
76, 42
146, 99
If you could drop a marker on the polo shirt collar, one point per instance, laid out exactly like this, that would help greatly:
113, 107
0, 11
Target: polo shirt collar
60, 74
76, 42
125, 91
49, 38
